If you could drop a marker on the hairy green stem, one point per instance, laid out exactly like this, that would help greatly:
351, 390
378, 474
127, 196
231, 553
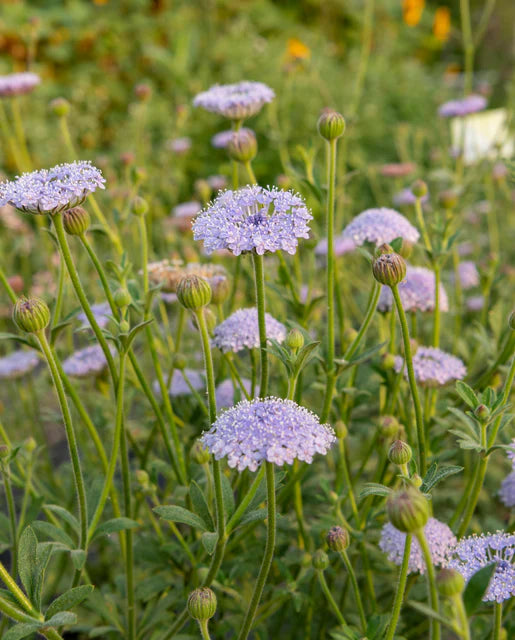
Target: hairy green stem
355, 588
401, 588
259, 276
433, 593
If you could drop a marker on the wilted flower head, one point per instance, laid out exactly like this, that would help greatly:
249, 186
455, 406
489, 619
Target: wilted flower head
179, 385
439, 537
52, 190
235, 101
253, 219
468, 274
168, 273
397, 169
417, 292
433, 367
342, 245
241, 331
475, 552
15, 84
87, 362
463, 107
17, 364
270, 429
226, 392
406, 197
380, 226
101, 313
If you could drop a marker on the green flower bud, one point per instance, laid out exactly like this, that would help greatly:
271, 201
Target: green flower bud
143, 478
295, 340
30, 445
199, 453
338, 539
124, 326
202, 604
450, 582
407, 510
389, 426
388, 360
448, 199
194, 293
4, 451
400, 453
180, 361
389, 268
416, 480
76, 221
405, 249
320, 560
139, 206
482, 412
331, 124
340, 429
419, 188
60, 107
220, 289
242, 146
140, 174
31, 314
122, 298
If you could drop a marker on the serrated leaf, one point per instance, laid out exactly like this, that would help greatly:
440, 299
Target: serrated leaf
49, 530
467, 394
21, 630
374, 489
68, 600
436, 474
182, 515
27, 549
209, 540
61, 618
114, 526
200, 505
476, 588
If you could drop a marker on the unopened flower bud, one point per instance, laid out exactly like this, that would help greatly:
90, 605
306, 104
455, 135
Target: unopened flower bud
4, 451
194, 292
419, 189
180, 361
482, 412
389, 268
389, 426
242, 146
142, 91
60, 107
406, 248
295, 340
400, 453
139, 206
416, 480
199, 453
320, 560
340, 429
124, 326
338, 539
448, 199
29, 445
140, 174
220, 289
388, 360
408, 510
450, 582
76, 221
202, 604
331, 124
31, 314
143, 478
122, 298
127, 158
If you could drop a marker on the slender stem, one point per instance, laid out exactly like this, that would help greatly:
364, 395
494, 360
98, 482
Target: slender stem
468, 44
422, 224
20, 133
101, 273
436, 314
330, 598
355, 588
242, 507
70, 435
459, 295
461, 615
10, 583
9, 290
12, 520
412, 381
260, 303
433, 593
369, 314
366, 47
204, 632
496, 631
401, 588
268, 555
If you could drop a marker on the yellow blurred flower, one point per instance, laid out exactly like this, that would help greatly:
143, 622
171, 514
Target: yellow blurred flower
412, 11
298, 50
442, 23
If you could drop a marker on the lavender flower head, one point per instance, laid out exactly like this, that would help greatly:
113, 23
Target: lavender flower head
417, 292
187, 209
101, 313
221, 140
15, 84
241, 331
380, 226
179, 145
253, 219
468, 274
463, 107
179, 386
475, 303
342, 245
475, 552
85, 363
433, 367
235, 101
226, 391
17, 364
439, 537
52, 190
507, 490
270, 429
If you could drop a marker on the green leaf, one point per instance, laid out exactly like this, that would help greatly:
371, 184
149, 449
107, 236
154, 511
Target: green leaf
179, 514
114, 526
78, 557
374, 489
68, 517
22, 630
228, 495
427, 611
49, 530
253, 516
200, 505
100, 632
304, 356
436, 474
69, 599
209, 540
467, 394
63, 617
27, 549
476, 588
43, 553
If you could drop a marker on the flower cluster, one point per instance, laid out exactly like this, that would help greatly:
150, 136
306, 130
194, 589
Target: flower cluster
235, 101
227, 390
380, 226
179, 385
433, 367
241, 331
17, 364
473, 553
85, 363
271, 429
439, 538
168, 273
468, 274
253, 219
15, 84
52, 190
417, 292
463, 107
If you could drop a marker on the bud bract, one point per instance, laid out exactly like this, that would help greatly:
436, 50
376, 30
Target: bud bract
320, 560
202, 604
408, 510
31, 314
199, 453
400, 453
419, 188
331, 124
338, 539
389, 268
295, 340
76, 221
242, 146
450, 582
220, 289
194, 292
139, 206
